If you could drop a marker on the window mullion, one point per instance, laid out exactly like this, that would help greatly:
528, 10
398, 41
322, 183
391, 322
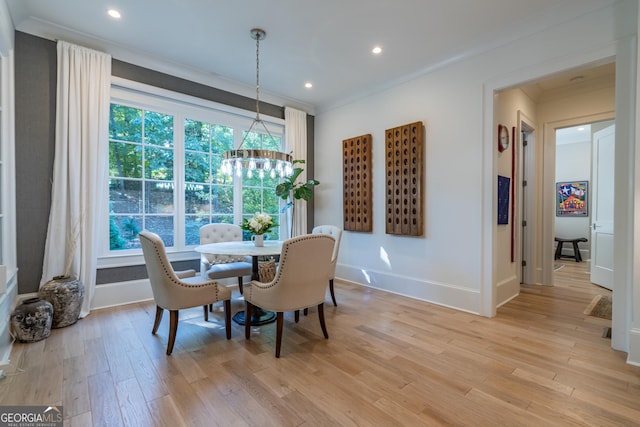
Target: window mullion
237, 182
179, 181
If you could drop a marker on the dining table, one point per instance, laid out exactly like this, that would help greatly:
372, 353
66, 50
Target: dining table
247, 248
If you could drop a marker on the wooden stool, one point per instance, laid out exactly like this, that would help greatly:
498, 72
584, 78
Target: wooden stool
576, 249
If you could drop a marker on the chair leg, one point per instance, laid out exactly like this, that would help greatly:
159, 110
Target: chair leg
159, 312
576, 252
173, 330
210, 307
206, 313
321, 317
279, 324
306, 311
227, 317
248, 312
240, 285
333, 295
558, 253
296, 316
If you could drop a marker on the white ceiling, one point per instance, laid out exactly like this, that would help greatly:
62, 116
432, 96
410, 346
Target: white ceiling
326, 42
573, 134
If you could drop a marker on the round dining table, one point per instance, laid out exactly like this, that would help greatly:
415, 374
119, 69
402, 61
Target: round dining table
247, 248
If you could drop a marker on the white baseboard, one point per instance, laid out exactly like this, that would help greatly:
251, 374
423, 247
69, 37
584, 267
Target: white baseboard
507, 290
633, 356
113, 294
444, 294
7, 303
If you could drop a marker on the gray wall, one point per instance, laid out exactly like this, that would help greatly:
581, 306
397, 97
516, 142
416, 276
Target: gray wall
35, 67
35, 87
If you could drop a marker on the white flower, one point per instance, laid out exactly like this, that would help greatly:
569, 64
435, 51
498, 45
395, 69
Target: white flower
259, 223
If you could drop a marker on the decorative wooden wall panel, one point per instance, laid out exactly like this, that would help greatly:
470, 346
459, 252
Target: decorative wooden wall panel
356, 164
404, 180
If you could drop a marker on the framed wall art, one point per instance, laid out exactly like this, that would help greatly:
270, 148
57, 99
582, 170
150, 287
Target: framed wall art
572, 198
503, 199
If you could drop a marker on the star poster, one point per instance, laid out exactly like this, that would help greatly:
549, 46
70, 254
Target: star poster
571, 198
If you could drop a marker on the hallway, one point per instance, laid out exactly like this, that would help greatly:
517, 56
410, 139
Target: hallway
575, 275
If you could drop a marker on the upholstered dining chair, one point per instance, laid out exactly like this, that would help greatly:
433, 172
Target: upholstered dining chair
336, 233
223, 266
174, 291
300, 282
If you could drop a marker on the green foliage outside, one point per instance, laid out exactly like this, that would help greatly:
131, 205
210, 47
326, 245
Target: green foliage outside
142, 177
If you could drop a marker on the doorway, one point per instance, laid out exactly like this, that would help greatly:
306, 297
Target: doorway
614, 93
568, 99
584, 200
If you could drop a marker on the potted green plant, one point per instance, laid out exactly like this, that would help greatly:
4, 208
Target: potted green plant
292, 191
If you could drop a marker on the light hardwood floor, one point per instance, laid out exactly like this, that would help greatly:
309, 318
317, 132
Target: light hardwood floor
389, 361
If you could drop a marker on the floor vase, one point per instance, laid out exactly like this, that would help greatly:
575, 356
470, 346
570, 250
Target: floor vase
31, 320
66, 294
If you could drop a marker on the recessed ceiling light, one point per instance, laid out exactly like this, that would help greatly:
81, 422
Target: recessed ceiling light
114, 13
376, 50
308, 85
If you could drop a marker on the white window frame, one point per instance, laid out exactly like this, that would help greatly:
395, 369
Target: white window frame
8, 256
180, 106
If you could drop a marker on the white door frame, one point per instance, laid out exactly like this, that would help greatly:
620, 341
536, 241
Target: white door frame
625, 334
549, 186
526, 240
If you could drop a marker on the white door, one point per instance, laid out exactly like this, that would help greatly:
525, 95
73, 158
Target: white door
602, 207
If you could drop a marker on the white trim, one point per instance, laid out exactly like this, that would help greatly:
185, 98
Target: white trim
623, 229
507, 290
121, 293
7, 30
548, 187
527, 254
444, 294
7, 304
633, 356
7, 179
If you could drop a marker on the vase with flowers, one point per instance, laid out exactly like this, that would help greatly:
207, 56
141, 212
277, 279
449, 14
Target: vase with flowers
257, 225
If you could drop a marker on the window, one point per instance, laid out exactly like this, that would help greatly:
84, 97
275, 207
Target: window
141, 183
258, 194
208, 193
164, 160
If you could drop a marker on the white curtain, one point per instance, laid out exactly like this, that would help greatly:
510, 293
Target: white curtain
295, 128
79, 168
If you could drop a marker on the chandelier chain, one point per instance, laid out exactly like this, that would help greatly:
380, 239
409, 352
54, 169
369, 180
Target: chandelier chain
258, 160
258, 36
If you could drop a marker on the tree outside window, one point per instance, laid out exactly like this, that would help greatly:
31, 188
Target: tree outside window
164, 174
141, 178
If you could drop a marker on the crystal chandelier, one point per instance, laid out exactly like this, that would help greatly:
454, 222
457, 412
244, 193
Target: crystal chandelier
257, 161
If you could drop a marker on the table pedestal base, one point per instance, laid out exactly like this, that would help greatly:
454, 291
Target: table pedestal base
258, 317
